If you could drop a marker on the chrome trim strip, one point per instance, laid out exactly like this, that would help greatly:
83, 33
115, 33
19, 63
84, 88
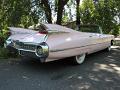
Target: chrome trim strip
30, 43
45, 38
57, 50
25, 50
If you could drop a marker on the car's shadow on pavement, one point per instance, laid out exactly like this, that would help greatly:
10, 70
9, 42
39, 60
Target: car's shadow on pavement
101, 57
100, 71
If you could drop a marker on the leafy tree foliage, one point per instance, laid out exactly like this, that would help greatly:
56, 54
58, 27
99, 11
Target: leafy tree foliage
15, 12
103, 13
49, 6
24, 13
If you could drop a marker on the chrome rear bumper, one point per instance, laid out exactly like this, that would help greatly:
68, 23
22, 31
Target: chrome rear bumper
30, 49
34, 54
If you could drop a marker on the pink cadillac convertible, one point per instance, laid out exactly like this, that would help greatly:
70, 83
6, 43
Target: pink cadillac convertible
49, 42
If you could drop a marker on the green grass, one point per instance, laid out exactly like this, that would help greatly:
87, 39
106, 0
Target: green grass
4, 53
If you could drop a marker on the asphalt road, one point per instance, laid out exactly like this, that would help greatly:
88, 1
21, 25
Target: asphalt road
101, 71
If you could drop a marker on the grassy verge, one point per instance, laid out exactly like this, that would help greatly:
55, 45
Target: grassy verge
5, 54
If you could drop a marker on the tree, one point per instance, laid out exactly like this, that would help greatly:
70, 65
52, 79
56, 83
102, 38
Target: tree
19, 13
59, 6
24, 13
77, 14
46, 6
101, 12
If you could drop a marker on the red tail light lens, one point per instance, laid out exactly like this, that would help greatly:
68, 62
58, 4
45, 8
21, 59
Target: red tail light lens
43, 32
9, 33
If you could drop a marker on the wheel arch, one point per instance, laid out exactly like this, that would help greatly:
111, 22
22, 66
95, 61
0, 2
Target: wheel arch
112, 42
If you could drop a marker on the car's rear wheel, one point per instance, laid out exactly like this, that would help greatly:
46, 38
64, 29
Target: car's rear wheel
79, 59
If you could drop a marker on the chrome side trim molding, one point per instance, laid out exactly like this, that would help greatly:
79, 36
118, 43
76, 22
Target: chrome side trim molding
26, 50
57, 50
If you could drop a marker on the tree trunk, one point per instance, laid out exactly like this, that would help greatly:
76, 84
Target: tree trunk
59, 12
46, 7
61, 4
78, 14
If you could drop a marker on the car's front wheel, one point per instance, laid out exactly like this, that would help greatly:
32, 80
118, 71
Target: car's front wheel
79, 59
108, 48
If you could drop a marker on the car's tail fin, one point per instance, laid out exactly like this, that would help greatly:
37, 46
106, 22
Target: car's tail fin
14, 30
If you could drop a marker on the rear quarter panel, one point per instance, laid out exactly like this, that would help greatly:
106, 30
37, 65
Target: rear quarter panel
66, 44
71, 44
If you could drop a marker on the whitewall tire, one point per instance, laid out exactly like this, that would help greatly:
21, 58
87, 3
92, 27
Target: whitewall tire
79, 59
108, 49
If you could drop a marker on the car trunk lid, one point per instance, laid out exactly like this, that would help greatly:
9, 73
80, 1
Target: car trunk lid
27, 35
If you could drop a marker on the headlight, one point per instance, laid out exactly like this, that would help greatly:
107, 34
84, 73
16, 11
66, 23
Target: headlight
39, 51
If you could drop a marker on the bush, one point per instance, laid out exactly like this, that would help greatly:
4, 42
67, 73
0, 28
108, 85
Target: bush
4, 53
3, 36
1, 39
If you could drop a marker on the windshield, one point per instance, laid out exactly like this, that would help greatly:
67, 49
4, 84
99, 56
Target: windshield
85, 28
91, 29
